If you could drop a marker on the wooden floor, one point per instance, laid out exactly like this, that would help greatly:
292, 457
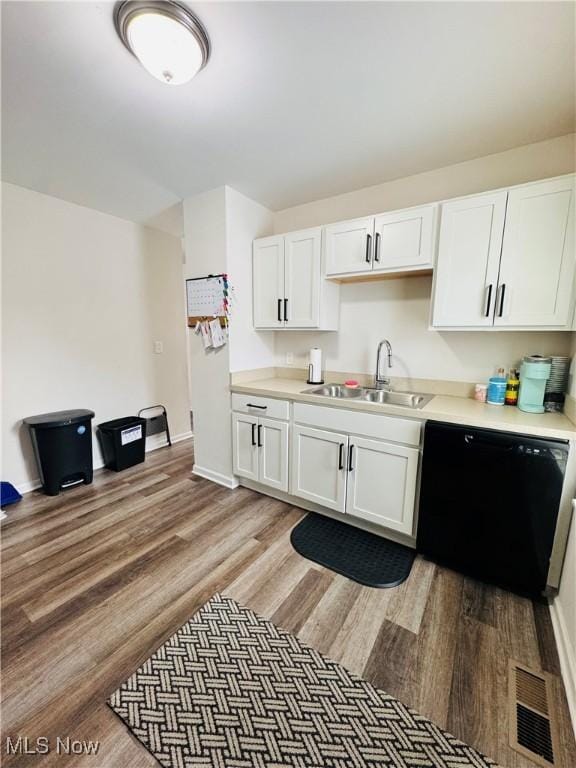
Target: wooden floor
93, 581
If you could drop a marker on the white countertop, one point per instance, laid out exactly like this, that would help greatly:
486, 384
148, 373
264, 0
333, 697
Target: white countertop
456, 410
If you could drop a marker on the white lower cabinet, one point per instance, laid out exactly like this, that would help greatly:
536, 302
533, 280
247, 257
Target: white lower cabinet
245, 446
382, 483
260, 450
318, 466
370, 479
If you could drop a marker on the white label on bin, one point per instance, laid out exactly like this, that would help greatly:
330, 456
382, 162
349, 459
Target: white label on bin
131, 434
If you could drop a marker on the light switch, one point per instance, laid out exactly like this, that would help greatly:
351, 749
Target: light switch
289, 358
158, 347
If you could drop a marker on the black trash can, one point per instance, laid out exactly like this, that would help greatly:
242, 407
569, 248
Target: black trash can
123, 442
63, 448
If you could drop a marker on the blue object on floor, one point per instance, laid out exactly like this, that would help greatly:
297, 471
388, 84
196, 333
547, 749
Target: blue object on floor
8, 494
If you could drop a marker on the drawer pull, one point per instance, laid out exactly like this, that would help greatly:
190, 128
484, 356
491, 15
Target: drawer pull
260, 407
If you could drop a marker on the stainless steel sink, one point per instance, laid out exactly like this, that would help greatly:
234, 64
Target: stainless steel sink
413, 400
337, 390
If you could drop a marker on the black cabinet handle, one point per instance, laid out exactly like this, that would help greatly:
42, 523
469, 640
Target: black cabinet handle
377, 246
503, 291
253, 434
286, 310
368, 247
488, 301
259, 435
260, 407
341, 456
350, 451
279, 310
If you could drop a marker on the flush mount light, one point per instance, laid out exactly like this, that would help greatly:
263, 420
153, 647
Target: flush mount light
166, 38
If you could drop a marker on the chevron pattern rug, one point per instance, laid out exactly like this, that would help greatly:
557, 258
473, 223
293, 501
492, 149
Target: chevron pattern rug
231, 690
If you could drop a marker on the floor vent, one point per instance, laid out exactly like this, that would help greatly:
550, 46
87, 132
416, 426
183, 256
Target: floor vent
531, 715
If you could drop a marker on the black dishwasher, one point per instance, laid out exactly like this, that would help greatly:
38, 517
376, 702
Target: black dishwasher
489, 502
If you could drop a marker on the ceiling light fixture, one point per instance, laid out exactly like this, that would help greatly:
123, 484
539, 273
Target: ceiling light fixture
166, 38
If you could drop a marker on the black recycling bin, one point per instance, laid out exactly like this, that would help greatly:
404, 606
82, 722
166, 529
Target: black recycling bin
63, 448
123, 442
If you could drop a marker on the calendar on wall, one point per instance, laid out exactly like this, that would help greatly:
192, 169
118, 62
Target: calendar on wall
207, 298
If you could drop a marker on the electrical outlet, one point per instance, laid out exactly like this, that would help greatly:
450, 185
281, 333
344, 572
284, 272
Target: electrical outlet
289, 358
158, 347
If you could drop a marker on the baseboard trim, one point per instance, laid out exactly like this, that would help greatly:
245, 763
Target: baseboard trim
151, 445
216, 477
567, 656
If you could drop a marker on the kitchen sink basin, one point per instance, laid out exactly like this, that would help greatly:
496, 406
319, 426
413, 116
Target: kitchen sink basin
365, 394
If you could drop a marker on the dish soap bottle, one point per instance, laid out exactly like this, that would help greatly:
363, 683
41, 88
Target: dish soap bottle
512, 387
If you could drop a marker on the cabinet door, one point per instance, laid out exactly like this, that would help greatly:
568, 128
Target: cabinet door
318, 466
245, 445
538, 258
302, 265
349, 246
405, 239
273, 453
466, 273
382, 483
268, 282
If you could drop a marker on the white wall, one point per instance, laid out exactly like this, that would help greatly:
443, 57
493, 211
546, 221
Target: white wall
399, 309
219, 227
85, 295
245, 220
205, 247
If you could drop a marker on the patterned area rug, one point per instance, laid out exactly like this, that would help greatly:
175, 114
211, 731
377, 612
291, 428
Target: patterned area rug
231, 690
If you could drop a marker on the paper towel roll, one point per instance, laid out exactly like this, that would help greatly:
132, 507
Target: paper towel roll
315, 367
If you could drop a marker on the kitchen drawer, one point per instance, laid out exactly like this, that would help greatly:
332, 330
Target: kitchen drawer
261, 406
377, 425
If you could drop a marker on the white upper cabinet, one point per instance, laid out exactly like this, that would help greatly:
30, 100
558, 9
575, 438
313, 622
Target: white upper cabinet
302, 274
468, 259
405, 239
507, 259
538, 259
290, 291
398, 241
348, 246
268, 281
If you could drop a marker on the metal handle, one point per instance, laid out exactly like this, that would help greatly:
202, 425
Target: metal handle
260, 407
488, 301
279, 310
350, 450
377, 246
259, 435
253, 434
502, 292
368, 247
286, 310
341, 456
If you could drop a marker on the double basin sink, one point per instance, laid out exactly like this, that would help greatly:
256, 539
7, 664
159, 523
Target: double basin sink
368, 395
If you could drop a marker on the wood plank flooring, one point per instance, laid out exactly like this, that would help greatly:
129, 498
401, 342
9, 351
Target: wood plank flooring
93, 581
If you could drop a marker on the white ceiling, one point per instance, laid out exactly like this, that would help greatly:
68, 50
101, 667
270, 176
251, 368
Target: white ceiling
299, 100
